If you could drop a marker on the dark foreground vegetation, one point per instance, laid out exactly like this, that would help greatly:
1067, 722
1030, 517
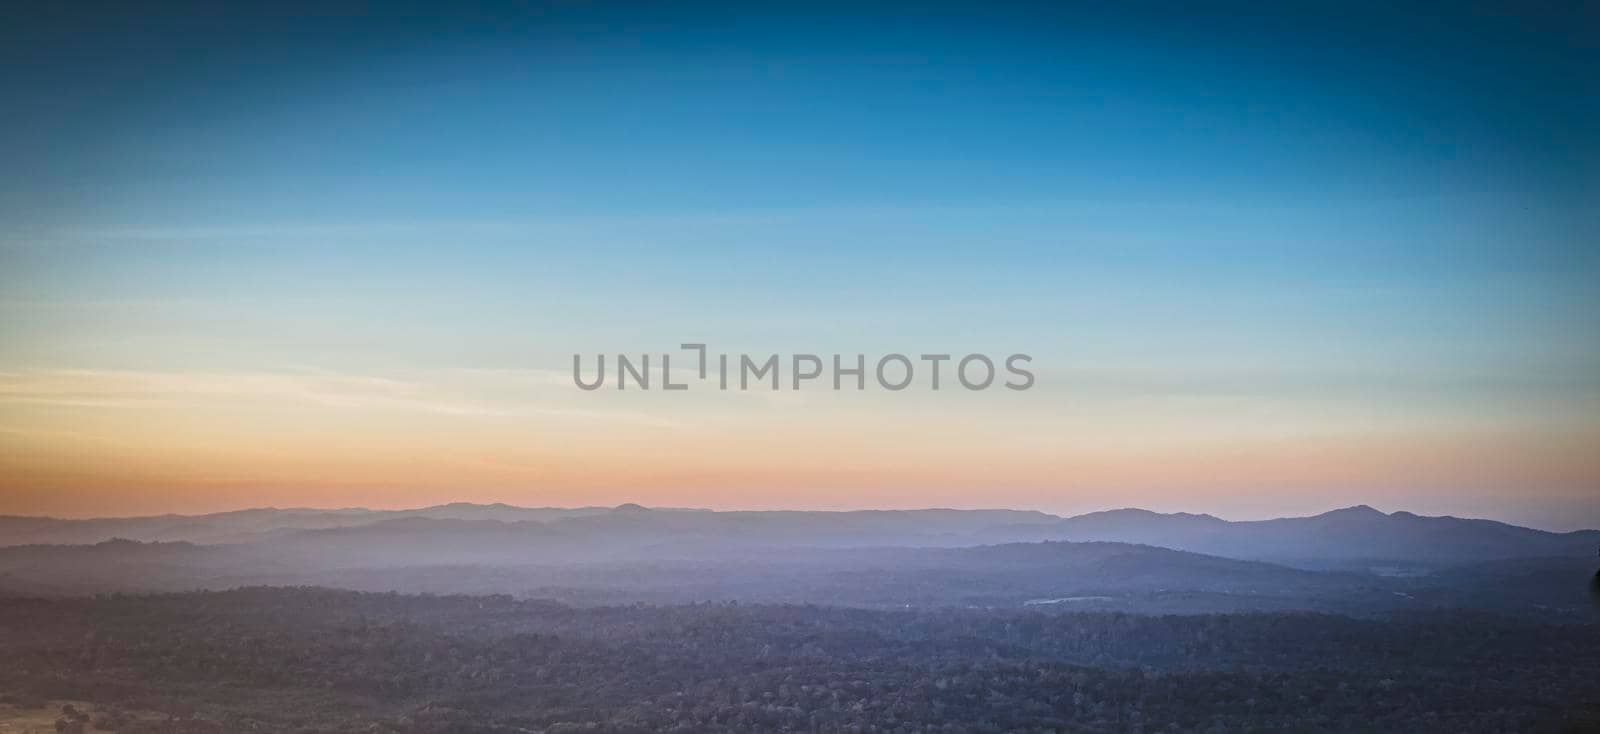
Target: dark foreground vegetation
306, 659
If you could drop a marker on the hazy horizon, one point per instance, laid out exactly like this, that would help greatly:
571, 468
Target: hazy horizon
1571, 526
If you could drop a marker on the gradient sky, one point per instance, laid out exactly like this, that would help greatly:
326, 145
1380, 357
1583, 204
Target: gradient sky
1267, 260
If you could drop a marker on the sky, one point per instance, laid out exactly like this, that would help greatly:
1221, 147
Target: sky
1266, 260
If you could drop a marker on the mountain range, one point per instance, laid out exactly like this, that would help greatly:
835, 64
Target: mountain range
1356, 560
1355, 537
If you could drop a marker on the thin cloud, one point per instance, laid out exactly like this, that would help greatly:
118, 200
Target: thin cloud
440, 393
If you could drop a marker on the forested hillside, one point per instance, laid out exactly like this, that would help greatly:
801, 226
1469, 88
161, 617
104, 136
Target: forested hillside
301, 659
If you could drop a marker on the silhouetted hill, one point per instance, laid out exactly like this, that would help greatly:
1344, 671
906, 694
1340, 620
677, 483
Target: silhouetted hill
1351, 536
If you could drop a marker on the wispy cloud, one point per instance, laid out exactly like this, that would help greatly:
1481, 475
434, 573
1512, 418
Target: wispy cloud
453, 392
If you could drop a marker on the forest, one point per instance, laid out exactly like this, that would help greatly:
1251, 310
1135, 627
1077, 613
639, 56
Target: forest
321, 660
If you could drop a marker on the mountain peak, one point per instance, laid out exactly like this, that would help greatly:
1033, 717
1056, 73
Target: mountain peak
1358, 510
630, 507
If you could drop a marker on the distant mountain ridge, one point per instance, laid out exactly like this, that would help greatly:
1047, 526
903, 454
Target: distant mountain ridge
500, 532
253, 524
1358, 533
262, 523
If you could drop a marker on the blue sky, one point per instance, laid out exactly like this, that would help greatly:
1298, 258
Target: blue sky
1388, 211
